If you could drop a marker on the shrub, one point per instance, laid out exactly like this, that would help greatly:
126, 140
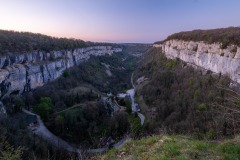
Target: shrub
52, 56
201, 107
66, 74
128, 105
234, 50
170, 64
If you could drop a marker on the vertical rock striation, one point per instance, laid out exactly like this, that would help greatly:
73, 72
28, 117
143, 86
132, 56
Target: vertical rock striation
208, 56
23, 72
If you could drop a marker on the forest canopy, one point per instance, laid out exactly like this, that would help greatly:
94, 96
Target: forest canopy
20, 42
226, 36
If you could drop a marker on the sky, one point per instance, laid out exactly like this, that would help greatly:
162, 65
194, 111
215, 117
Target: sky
139, 21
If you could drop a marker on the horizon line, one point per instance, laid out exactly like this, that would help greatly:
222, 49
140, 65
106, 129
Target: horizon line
86, 40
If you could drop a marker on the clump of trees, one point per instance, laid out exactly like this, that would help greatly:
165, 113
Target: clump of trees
45, 108
119, 124
83, 124
19, 42
188, 100
226, 36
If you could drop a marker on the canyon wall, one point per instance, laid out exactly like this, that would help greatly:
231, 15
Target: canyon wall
23, 72
208, 56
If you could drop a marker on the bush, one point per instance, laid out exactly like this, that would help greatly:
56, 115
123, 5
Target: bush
201, 107
171, 64
128, 105
66, 74
52, 56
234, 50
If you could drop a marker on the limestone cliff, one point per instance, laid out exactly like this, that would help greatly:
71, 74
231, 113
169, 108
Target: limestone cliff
208, 56
23, 72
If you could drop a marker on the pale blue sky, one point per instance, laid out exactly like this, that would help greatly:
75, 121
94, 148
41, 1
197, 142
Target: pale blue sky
117, 20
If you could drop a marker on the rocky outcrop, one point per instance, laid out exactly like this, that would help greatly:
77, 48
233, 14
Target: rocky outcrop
23, 72
208, 56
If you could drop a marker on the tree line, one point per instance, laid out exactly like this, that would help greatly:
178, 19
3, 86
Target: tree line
20, 42
225, 36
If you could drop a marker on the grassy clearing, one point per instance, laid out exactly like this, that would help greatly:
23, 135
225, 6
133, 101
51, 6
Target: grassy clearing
73, 109
83, 90
175, 147
73, 112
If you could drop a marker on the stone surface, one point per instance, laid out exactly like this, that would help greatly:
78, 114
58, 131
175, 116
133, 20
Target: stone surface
24, 72
208, 56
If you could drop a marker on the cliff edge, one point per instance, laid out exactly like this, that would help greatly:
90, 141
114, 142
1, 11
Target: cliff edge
215, 56
23, 72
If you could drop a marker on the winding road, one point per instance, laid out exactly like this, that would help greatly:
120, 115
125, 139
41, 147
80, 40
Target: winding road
132, 94
42, 131
142, 117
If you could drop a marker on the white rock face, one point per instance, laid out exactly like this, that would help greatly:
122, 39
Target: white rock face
24, 72
208, 56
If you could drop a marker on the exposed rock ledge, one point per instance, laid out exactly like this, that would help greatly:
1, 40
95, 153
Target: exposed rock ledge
208, 56
23, 72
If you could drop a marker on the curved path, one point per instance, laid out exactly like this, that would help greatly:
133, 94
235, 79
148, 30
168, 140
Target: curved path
132, 94
120, 143
42, 131
142, 117
132, 81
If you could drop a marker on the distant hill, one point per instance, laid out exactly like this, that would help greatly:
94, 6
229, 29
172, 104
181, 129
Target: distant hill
226, 36
20, 42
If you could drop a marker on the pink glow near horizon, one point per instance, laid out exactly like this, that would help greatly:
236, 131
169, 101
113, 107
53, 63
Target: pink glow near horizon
116, 21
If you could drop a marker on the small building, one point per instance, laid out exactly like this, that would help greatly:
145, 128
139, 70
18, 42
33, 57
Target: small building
32, 120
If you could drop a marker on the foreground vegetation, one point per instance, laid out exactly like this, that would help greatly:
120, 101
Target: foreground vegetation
225, 36
178, 147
